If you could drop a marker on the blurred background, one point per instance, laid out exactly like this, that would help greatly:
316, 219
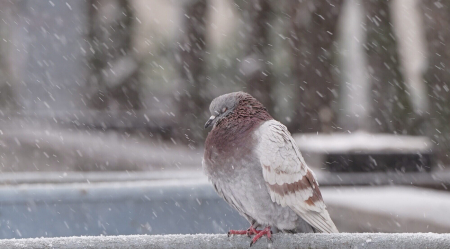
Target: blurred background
103, 102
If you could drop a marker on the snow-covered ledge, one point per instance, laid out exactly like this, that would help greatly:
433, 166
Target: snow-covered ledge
343, 240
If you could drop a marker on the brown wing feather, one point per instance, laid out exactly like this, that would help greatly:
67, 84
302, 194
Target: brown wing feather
289, 180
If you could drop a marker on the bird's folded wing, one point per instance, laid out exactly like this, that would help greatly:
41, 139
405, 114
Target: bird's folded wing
289, 181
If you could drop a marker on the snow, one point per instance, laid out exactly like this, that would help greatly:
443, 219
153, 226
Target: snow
361, 141
391, 208
48, 68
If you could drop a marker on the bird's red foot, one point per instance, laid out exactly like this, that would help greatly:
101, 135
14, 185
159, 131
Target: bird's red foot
266, 231
248, 232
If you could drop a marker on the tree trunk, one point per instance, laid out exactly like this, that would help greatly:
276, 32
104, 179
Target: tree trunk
113, 79
391, 109
313, 33
193, 99
7, 99
436, 18
254, 66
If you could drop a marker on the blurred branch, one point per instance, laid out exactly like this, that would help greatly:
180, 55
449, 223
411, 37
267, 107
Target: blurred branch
7, 95
436, 20
391, 108
113, 78
254, 65
192, 98
313, 31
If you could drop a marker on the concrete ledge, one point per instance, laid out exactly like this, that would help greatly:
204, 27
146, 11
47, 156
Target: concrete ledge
343, 240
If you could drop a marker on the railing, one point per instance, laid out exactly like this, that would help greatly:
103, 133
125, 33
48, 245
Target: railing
336, 241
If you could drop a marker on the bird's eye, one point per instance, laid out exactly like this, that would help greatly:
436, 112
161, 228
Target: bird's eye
224, 109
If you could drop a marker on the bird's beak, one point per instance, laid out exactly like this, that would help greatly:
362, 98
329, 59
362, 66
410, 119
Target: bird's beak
210, 121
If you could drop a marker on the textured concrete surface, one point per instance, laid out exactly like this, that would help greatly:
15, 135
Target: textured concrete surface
200, 241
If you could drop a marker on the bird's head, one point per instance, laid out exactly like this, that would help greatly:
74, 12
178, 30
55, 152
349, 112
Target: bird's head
221, 107
239, 103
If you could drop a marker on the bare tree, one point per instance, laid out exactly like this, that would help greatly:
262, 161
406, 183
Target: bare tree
313, 32
254, 65
193, 99
7, 99
391, 108
436, 18
113, 78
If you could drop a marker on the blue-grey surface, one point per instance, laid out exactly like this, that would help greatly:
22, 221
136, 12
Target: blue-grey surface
117, 204
147, 207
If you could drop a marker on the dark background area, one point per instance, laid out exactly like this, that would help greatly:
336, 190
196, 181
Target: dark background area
117, 92
147, 70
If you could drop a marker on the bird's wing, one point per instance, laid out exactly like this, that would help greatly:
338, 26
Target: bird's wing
289, 180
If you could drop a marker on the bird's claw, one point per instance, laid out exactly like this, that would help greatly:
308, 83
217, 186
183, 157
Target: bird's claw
252, 231
266, 231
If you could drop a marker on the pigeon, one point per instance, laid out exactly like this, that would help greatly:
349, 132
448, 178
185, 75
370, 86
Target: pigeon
255, 165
